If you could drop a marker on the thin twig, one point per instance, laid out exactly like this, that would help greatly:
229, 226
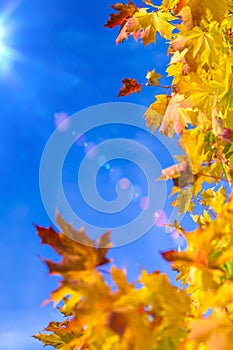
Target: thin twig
216, 178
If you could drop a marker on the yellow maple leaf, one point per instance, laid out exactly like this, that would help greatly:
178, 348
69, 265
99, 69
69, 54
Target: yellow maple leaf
167, 113
153, 77
199, 9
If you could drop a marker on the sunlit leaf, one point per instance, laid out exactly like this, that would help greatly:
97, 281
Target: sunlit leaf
153, 77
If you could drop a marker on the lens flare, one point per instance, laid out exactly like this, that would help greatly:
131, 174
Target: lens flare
8, 54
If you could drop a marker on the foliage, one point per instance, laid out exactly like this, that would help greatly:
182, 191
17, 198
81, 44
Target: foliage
198, 106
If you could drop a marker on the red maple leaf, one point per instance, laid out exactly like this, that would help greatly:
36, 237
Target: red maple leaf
129, 86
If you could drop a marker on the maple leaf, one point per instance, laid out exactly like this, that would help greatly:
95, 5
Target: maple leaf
183, 200
60, 338
79, 253
174, 115
199, 9
154, 114
180, 173
199, 258
167, 113
153, 77
129, 86
203, 45
124, 11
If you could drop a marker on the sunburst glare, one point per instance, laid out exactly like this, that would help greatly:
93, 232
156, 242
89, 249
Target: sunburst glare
8, 54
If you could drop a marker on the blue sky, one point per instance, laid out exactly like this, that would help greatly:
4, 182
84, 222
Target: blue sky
62, 60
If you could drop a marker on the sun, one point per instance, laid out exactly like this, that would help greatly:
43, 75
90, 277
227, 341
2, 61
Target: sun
8, 55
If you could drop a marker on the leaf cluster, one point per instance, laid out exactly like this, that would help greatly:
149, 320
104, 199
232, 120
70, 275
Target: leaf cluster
198, 106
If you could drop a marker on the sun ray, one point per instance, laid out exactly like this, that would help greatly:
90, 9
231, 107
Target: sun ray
8, 54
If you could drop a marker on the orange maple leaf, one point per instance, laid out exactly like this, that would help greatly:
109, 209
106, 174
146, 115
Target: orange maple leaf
129, 86
79, 255
124, 11
198, 259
